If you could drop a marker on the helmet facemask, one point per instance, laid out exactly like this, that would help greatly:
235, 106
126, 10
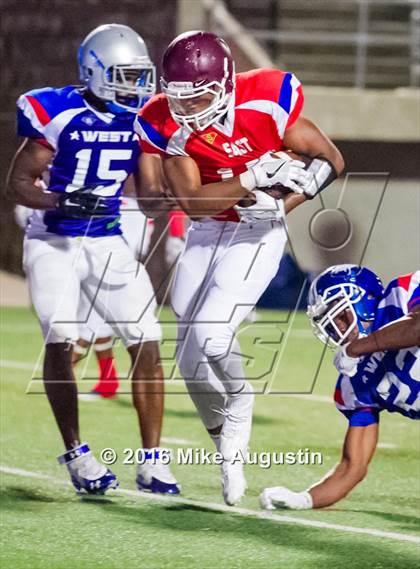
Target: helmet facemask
180, 93
130, 86
328, 307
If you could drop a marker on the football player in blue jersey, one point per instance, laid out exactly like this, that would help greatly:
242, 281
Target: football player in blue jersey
378, 337
84, 135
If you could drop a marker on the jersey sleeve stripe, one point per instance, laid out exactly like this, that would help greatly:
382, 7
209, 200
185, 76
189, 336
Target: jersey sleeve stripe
39, 110
29, 112
285, 95
414, 301
404, 281
280, 117
25, 127
297, 106
148, 133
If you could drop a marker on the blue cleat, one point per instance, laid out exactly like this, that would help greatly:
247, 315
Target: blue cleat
154, 474
88, 475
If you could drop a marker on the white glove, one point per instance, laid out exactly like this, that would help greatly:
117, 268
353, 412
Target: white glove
22, 215
265, 208
344, 363
321, 174
281, 497
271, 170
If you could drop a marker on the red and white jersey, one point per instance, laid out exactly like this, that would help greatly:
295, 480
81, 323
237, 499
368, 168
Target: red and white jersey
266, 102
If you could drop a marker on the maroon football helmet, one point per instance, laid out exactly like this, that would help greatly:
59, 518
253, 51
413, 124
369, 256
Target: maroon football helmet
198, 78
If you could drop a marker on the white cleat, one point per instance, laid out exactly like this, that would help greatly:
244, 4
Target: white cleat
86, 473
233, 482
233, 444
236, 430
155, 476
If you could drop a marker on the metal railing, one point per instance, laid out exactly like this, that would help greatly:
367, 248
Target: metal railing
361, 43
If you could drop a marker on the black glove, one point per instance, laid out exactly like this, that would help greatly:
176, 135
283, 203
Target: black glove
83, 203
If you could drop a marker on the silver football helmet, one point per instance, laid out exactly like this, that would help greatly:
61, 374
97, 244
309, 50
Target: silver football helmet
115, 66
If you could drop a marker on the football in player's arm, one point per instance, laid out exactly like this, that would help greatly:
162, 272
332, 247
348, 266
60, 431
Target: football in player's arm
199, 195
221, 137
371, 379
303, 137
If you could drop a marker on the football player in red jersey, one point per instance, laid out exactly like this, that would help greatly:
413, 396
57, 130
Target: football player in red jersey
217, 132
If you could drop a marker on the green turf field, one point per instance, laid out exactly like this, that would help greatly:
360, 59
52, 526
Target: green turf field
46, 525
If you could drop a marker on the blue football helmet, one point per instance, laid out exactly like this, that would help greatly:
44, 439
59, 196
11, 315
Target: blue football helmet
339, 288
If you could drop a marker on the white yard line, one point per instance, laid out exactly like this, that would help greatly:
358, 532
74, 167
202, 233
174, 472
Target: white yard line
274, 517
175, 441
10, 364
310, 397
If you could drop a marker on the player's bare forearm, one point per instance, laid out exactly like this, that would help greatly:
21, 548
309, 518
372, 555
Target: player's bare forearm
292, 200
151, 187
154, 206
358, 450
403, 333
199, 200
28, 165
304, 137
336, 485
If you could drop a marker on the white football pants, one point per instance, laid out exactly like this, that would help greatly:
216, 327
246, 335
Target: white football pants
137, 233
223, 271
117, 286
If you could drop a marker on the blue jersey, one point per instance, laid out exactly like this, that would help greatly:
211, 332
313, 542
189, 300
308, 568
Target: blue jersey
387, 380
91, 149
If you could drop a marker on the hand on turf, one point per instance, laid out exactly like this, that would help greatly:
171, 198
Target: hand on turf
344, 363
271, 170
281, 497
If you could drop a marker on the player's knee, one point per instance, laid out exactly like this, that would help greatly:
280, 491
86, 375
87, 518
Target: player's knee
191, 365
59, 332
133, 333
217, 346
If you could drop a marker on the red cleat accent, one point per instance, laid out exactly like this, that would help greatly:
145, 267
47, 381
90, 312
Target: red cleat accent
108, 383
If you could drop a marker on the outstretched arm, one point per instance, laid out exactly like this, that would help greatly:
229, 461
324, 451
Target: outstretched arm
28, 165
358, 450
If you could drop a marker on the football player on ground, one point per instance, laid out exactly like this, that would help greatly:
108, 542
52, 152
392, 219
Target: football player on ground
379, 370
216, 131
85, 136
